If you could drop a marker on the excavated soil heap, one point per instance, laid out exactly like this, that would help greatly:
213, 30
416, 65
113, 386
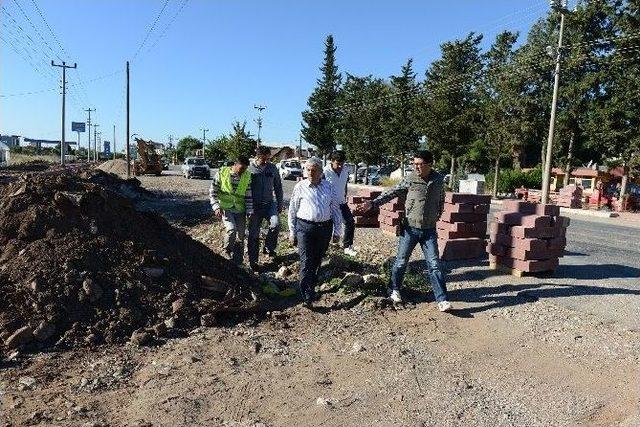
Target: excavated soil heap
79, 265
116, 166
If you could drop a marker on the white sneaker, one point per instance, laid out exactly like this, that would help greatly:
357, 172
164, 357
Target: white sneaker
350, 251
395, 296
444, 306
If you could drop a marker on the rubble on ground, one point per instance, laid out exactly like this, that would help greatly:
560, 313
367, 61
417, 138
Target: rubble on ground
80, 265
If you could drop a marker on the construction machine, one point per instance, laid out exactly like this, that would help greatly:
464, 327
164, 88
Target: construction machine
148, 161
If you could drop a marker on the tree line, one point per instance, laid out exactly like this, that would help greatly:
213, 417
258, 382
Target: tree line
480, 111
238, 142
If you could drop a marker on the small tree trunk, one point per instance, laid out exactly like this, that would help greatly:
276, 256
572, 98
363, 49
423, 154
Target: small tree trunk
366, 173
453, 168
494, 193
402, 166
567, 168
623, 184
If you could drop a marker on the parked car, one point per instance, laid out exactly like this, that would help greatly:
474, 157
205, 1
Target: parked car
359, 177
196, 167
289, 169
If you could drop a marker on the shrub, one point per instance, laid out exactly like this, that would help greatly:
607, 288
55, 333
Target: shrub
510, 179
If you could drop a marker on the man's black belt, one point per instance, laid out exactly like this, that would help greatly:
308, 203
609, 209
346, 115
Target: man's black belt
315, 222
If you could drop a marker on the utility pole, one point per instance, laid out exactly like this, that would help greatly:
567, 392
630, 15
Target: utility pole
88, 110
204, 136
114, 142
561, 6
127, 150
95, 139
259, 119
64, 66
299, 146
99, 146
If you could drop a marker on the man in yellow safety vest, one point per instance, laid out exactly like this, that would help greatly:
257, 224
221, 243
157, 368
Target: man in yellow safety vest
231, 201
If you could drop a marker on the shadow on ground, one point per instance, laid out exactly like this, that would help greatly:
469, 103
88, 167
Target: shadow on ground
525, 293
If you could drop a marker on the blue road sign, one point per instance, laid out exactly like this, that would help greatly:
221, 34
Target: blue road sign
77, 126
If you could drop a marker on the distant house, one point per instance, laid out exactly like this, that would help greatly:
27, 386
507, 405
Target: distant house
10, 140
281, 153
4, 153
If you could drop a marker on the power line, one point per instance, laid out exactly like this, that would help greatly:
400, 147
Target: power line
36, 29
55, 38
166, 28
151, 28
44, 41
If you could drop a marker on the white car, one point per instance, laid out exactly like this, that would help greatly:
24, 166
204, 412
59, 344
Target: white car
289, 169
196, 167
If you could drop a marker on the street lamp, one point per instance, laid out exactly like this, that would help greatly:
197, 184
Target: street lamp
558, 6
259, 119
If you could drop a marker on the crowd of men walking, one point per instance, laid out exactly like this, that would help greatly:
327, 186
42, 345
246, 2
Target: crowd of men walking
250, 192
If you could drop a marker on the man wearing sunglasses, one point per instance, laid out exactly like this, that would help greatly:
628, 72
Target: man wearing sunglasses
424, 191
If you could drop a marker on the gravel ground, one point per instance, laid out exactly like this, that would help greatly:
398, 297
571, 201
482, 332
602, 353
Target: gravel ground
558, 351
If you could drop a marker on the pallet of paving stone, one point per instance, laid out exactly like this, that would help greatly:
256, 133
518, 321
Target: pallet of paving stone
527, 237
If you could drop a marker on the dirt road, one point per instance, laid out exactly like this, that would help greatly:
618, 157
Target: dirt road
516, 351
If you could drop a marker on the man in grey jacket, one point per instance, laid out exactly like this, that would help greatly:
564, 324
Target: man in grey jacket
424, 191
265, 183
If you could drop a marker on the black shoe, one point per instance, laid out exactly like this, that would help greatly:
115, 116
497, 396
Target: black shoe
254, 268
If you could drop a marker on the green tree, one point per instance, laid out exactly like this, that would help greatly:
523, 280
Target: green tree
240, 142
214, 150
500, 93
401, 129
581, 80
362, 130
613, 120
319, 121
450, 113
187, 146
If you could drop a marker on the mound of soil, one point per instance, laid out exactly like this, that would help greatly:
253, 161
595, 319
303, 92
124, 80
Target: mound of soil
116, 166
79, 265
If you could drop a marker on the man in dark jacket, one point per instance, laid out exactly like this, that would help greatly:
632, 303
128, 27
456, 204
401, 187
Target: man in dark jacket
265, 184
424, 191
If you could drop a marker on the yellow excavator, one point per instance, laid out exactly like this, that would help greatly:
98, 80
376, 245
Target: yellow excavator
148, 161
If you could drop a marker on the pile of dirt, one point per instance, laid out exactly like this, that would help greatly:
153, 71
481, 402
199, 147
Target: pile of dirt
116, 166
32, 166
79, 265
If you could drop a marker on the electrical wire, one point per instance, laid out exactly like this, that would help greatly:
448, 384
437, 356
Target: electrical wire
151, 28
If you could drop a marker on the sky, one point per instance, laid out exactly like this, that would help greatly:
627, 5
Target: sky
206, 63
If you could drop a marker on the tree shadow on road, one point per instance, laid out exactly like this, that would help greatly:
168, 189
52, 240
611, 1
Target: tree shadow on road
495, 296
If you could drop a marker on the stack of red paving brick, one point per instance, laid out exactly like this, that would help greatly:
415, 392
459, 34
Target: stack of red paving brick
527, 237
370, 219
463, 226
570, 197
391, 216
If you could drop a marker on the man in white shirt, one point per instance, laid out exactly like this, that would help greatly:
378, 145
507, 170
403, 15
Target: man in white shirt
338, 175
314, 215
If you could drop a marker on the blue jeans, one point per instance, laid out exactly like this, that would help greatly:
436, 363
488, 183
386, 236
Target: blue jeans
269, 212
428, 240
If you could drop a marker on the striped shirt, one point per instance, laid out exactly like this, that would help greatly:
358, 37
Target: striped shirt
315, 203
214, 189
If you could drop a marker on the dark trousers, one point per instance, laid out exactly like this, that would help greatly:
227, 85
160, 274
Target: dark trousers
268, 212
428, 241
313, 242
349, 225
